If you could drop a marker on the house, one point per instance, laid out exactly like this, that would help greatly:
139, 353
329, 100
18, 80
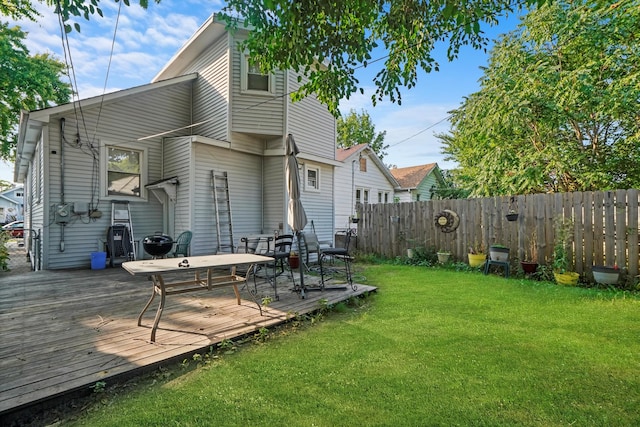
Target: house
154, 148
11, 204
417, 182
360, 178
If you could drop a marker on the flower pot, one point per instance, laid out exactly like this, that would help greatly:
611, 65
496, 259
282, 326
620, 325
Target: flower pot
476, 260
498, 253
605, 275
569, 278
294, 261
529, 267
443, 257
355, 220
409, 253
512, 217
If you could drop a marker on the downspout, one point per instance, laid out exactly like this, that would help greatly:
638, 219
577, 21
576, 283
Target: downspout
62, 224
353, 184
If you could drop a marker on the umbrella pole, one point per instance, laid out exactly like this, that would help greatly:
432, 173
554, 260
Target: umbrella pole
302, 288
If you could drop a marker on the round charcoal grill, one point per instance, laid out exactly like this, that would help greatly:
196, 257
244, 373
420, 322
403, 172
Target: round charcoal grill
157, 245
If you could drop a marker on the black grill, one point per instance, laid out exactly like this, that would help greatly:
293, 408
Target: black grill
157, 245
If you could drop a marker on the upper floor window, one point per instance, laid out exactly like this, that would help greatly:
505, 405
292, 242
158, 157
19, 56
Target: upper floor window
124, 172
253, 80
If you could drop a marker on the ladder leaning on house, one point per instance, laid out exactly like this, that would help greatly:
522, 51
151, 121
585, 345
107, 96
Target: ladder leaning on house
222, 205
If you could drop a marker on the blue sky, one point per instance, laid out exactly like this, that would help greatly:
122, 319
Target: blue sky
146, 40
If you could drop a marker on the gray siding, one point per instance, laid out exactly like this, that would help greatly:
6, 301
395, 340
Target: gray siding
211, 91
121, 122
177, 161
256, 114
245, 190
310, 123
275, 201
318, 205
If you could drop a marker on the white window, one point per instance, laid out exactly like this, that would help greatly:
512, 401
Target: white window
362, 195
386, 197
379, 196
124, 172
253, 80
312, 179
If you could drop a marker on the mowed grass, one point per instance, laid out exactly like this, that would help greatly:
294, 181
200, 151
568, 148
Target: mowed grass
432, 348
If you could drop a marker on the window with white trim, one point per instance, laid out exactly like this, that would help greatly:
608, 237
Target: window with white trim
124, 172
253, 80
312, 178
362, 195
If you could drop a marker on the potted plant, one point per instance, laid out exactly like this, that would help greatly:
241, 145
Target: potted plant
294, 259
605, 275
499, 253
476, 255
530, 265
443, 256
561, 261
355, 219
512, 215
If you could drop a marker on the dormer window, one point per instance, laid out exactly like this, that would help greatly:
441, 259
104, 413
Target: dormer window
253, 80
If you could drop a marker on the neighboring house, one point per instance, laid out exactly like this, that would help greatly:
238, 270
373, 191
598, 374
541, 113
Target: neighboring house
417, 182
361, 178
156, 146
11, 204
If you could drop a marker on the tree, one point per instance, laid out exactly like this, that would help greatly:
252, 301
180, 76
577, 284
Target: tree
26, 82
328, 40
558, 105
357, 129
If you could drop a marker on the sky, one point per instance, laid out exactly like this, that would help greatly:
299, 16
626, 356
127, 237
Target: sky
146, 40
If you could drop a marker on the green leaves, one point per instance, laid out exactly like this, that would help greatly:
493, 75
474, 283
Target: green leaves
342, 35
354, 129
557, 109
26, 83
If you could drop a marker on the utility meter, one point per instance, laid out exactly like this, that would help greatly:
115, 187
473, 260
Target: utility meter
63, 213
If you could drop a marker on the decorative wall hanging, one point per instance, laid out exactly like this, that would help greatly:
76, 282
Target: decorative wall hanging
447, 221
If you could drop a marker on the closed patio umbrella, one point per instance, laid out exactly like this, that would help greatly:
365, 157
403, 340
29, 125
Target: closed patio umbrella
296, 216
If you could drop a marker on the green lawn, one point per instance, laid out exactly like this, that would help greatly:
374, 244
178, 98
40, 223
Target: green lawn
432, 347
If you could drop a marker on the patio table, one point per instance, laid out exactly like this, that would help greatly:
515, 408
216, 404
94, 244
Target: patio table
155, 268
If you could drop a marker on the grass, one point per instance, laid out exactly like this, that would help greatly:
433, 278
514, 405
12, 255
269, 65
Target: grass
433, 347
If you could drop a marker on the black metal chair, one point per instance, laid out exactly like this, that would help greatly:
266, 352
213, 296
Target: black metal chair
338, 255
281, 252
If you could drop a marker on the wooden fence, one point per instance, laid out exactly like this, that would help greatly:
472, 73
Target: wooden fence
605, 227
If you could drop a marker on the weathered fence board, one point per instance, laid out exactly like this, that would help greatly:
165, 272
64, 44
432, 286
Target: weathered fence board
605, 227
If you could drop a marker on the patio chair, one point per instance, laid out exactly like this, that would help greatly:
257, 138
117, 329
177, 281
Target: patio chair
281, 252
342, 256
311, 245
183, 245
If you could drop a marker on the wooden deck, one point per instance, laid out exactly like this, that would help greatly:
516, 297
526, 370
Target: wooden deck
62, 331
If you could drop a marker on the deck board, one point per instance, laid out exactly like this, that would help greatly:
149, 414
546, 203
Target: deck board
65, 330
